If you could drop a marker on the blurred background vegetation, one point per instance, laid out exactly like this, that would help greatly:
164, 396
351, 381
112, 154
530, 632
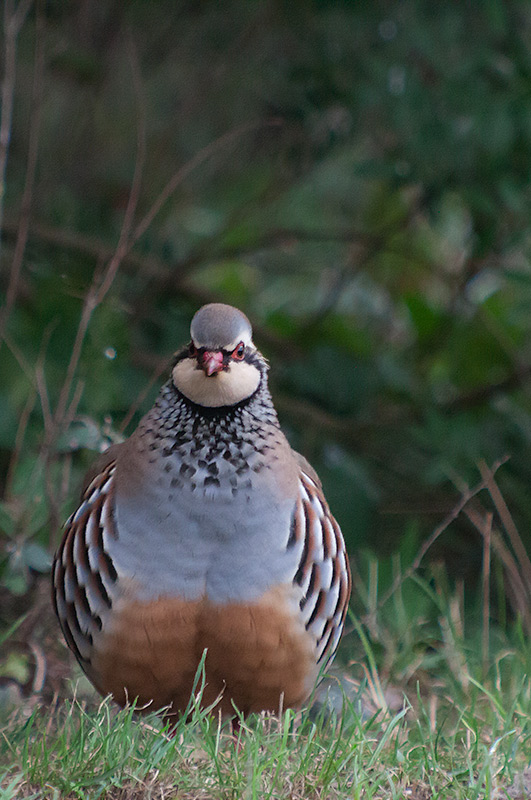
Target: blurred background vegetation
356, 177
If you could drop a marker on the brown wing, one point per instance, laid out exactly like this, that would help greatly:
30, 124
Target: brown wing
306, 468
83, 573
99, 466
323, 572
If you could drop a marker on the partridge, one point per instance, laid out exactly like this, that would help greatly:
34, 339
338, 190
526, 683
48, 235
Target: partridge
204, 531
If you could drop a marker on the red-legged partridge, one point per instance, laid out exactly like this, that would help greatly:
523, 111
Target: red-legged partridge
204, 530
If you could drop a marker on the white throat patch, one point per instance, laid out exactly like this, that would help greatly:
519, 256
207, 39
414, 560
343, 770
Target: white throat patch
226, 388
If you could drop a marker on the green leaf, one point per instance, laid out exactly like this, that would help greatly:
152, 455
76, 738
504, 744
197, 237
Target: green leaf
36, 557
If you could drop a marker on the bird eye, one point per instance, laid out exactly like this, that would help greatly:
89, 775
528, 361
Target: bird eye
239, 352
192, 350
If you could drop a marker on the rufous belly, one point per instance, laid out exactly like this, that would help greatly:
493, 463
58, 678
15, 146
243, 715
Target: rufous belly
256, 653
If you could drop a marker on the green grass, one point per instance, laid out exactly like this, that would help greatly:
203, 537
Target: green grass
457, 737
468, 753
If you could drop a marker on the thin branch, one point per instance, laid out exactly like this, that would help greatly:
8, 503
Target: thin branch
13, 20
170, 276
200, 157
126, 240
42, 389
507, 522
20, 358
97, 249
60, 495
517, 591
89, 246
27, 196
89, 305
466, 497
98, 290
52, 425
486, 532
19, 442
161, 367
39, 674
71, 411
519, 376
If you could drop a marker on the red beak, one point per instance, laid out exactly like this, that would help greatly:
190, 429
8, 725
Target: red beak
211, 362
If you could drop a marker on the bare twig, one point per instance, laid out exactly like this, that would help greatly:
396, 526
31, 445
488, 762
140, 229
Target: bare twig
66, 474
14, 17
20, 358
39, 675
150, 265
42, 389
99, 289
518, 376
89, 246
71, 411
97, 292
89, 306
507, 522
466, 497
486, 533
27, 196
517, 591
19, 442
161, 367
203, 155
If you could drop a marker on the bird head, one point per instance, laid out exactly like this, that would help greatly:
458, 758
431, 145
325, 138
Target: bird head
221, 366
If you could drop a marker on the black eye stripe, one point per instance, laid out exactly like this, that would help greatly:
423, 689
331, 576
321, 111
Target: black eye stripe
238, 352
